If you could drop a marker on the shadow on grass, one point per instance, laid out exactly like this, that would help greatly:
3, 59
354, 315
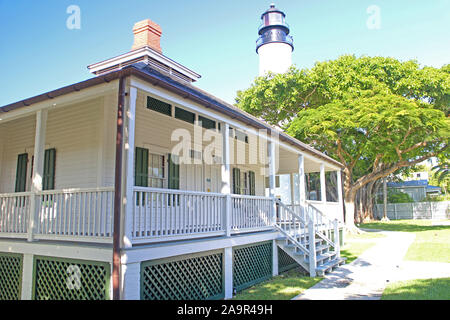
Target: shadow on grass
425, 289
283, 287
404, 226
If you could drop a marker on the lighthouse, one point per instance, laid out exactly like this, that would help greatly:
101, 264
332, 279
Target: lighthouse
274, 45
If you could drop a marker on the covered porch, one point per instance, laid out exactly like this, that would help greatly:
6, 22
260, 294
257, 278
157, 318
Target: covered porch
222, 181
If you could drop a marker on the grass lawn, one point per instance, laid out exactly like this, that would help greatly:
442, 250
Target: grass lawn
283, 287
356, 244
426, 289
432, 243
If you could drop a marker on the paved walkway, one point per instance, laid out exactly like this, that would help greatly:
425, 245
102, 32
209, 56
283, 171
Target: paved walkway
366, 277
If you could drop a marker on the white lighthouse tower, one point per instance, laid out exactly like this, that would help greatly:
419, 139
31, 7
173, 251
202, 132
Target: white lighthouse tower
274, 45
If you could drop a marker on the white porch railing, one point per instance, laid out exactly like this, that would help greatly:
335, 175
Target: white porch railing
75, 214
250, 213
14, 214
162, 214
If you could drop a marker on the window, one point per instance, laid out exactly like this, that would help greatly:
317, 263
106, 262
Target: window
156, 171
174, 172
21, 173
141, 167
159, 106
313, 186
236, 181
184, 115
244, 182
241, 136
207, 123
48, 182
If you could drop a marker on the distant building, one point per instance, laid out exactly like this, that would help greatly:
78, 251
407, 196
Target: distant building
416, 189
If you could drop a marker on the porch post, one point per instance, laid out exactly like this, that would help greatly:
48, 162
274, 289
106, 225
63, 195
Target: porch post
228, 274
323, 188
226, 177
38, 170
291, 179
340, 196
272, 178
301, 183
129, 143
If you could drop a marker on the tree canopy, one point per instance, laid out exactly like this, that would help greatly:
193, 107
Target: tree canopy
373, 114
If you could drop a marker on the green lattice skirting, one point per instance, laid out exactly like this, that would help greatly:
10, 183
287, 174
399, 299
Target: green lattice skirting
69, 279
285, 262
251, 264
188, 277
10, 276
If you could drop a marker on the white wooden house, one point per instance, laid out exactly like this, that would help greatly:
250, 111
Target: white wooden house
112, 187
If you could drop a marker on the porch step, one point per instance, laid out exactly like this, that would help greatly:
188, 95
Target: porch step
328, 266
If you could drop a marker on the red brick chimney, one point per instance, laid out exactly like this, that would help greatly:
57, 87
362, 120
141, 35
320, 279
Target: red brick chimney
147, 34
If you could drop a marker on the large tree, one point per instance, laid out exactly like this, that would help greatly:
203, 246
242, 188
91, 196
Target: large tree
375, 115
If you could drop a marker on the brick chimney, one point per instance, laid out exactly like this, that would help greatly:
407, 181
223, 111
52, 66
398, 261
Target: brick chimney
147, 34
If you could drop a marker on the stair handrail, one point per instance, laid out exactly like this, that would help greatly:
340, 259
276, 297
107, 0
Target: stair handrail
294, 216
328, 221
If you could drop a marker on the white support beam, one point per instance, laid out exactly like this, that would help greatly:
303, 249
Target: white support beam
323, 187
228, 266
301, 178
340, 194
38, 170
291, 179
27, 277
226, 175
129, 142
272, 173
275, 270
131, 281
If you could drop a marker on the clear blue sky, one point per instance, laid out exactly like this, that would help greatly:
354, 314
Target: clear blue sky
38, 53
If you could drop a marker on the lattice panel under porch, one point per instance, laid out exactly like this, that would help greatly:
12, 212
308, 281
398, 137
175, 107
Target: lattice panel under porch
189, 277
10, 276
285, 262
68, 279
252, 264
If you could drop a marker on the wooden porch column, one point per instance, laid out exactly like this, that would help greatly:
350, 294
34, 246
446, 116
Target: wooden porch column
226, 176
272, 177
228, 274
301, 182
340, 195
291, 179
128, 178
323, 188
38, 170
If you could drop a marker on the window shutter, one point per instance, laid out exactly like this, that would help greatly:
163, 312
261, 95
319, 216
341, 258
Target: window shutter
48, 182
141, 167
174, 172
21, 173
236, 181
251, 178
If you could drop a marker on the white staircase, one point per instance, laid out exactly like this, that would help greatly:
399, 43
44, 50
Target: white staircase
310, 238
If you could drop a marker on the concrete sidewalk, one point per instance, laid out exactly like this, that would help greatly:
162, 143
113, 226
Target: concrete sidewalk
366, 277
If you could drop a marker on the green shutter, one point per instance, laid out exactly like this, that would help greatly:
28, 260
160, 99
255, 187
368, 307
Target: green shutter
21, 173
141, 168
174, 172
251, 178
236, 181
48, 182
